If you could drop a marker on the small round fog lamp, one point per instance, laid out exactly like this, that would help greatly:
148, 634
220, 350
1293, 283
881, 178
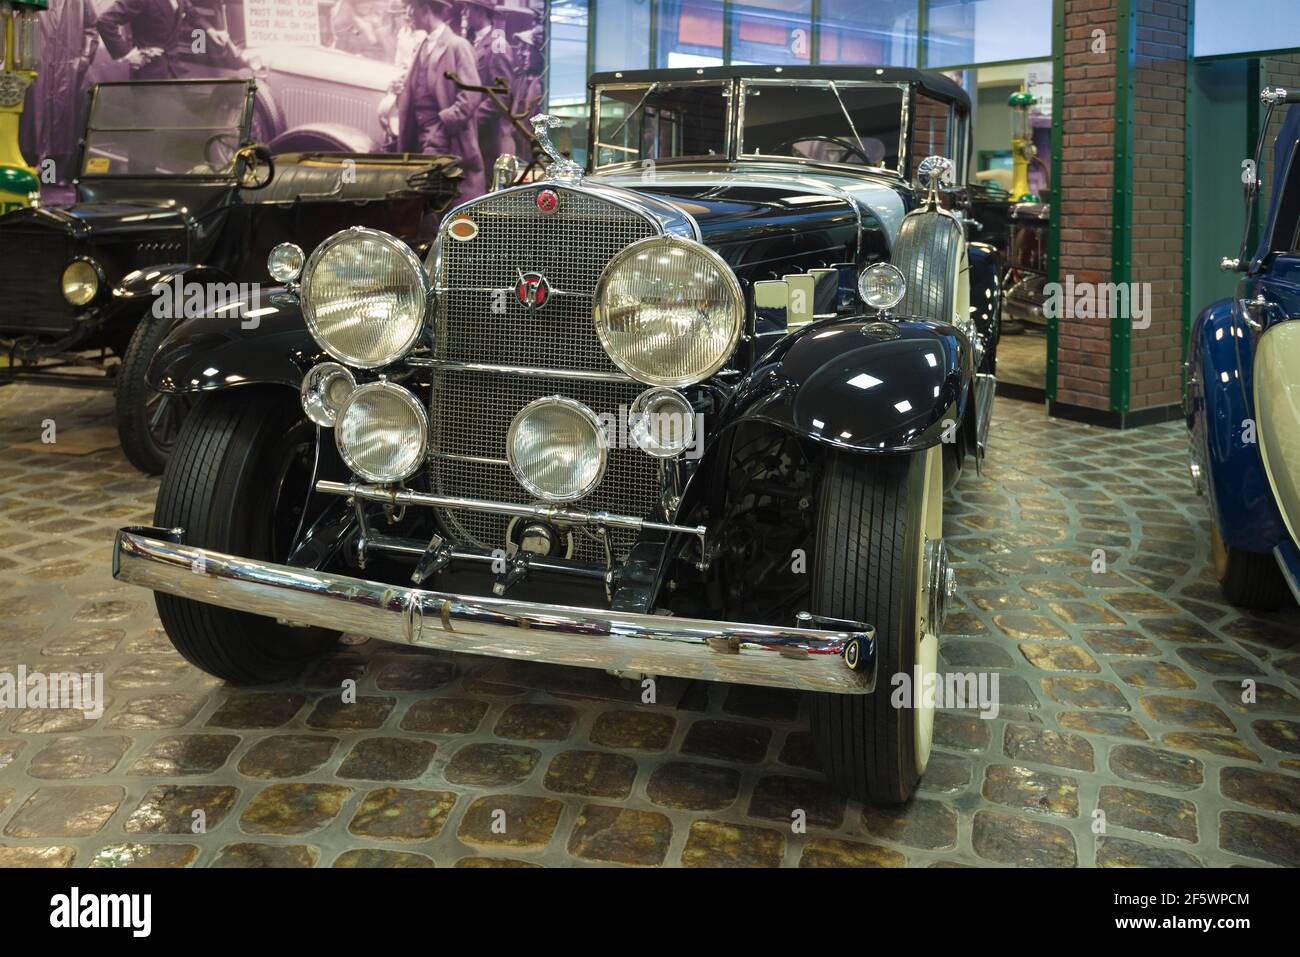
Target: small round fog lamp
324, 390
882, 286
662, 423
556, 448
382, 432
285, 262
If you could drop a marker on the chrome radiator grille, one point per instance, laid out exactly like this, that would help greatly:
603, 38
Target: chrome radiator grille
471, 410
569, 247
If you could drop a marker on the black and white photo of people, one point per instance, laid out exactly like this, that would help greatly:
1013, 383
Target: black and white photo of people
418, 76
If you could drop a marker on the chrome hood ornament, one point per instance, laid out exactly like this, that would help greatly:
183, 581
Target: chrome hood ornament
561, 169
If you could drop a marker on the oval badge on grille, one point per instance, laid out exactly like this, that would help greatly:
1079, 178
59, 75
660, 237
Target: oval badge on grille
548, 201
463, 229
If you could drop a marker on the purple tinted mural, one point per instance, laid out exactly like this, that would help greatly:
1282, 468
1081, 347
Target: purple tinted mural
419, 76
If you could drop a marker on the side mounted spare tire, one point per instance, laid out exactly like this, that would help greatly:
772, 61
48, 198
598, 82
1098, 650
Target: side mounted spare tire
931, 253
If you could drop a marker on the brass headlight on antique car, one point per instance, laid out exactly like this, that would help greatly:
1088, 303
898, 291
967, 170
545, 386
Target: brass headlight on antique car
81, 282
365, 297
668, 311
556, 448
382, 432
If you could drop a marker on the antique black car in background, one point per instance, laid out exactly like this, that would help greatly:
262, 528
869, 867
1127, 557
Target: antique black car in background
692, 414
176, 208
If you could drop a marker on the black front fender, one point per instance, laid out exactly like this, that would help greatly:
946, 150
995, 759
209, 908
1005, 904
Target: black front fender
135, 293
265, 345
143, 285
860, 384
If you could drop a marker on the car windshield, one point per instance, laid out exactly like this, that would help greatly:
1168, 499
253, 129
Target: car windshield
661, 121
165, 129
855, 123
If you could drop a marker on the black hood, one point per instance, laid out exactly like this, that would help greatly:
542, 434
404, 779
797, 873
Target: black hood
93, 220
765, 229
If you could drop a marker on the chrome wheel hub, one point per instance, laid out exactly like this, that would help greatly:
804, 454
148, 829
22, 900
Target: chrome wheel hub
940, 584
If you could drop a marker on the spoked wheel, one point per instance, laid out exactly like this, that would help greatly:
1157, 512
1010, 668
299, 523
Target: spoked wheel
148, 422
880, 559
238, 483
165, 414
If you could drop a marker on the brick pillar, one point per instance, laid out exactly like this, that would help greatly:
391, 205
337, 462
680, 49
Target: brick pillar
1082, 201
1118, 207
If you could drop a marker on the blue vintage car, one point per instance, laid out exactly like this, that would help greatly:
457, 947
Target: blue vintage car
1242, 397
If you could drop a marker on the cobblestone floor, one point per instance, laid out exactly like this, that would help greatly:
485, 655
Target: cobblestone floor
1121, 694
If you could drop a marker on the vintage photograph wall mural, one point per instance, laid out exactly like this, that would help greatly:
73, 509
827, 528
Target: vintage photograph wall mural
360, 76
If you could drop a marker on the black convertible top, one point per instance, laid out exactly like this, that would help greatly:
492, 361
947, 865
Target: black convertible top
933, 83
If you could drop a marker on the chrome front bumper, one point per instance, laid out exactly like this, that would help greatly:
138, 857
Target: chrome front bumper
805, 659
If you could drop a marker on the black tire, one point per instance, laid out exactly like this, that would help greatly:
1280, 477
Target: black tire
234, 485
866, 562
148, 422
1248, 579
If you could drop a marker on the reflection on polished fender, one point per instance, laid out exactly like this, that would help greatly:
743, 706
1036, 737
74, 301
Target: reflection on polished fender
866, 384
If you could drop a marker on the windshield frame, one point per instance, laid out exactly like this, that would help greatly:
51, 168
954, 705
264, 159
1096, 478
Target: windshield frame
726, 86
736, 87
829, 85
245, 126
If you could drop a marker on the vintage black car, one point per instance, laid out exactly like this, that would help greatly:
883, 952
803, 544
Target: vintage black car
175, 214
691, 414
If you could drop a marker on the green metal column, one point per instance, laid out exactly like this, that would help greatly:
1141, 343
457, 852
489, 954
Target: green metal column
726, 32
1254, 118
921, 27
1121, 256
1188, 120
654, 34
1054, 193
814, 39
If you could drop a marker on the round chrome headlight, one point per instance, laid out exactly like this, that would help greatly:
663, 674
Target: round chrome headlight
882, 286
662, 423
365, 297
556, 449
382, 432
324, 390
668, 311
285, 262
80, 282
